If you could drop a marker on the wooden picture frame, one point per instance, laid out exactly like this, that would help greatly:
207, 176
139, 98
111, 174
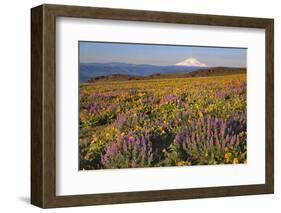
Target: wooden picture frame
43, 105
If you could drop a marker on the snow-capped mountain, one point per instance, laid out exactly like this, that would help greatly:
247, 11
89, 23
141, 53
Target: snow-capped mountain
191, 62
92, 70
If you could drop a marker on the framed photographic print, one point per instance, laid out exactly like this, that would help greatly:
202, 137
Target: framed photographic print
136, 106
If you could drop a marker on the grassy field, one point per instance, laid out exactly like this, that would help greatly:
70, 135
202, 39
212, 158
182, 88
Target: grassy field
157, 122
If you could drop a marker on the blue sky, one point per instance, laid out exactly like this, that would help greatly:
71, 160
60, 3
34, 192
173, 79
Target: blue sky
103, 52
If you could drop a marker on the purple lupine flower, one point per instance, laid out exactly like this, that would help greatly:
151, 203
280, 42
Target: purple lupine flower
233, 140
227, 139
193, 138
222, 129
178, 140
164, 127
126, 139
120, 120
238, 141
207, 130
211, 142
136, 148
223, 143
150, 100
170, 98
219, 94
125, 146
94, 108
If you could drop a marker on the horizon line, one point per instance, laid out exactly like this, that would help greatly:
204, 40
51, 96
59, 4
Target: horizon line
114, 62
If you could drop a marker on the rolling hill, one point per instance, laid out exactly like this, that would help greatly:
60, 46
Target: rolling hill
206, 72
92, 70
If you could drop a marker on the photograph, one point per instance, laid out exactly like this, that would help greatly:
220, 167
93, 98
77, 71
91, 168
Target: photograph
161, 105
145, 105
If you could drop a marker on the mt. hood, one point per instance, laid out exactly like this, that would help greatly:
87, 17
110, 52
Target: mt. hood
191, 62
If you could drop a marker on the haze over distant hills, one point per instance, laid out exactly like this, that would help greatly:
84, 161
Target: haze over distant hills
92, 70
89, 71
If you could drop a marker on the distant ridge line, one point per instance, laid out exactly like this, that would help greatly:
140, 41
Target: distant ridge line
214, 71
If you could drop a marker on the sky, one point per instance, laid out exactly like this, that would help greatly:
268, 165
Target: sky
105, 52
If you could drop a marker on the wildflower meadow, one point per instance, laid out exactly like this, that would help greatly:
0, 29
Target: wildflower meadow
165, 121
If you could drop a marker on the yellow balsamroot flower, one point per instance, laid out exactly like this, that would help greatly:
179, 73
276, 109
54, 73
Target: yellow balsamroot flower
227, 156
180, 163
94, 138
235, 161
210, 108
242, 133
82, 116
183, 163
